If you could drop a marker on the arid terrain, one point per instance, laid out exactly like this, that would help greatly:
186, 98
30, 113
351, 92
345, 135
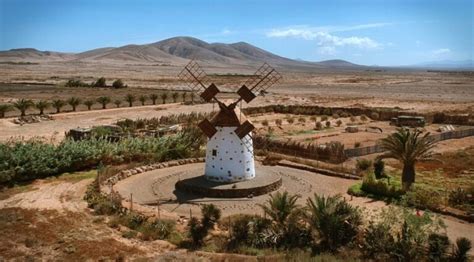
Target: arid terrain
54, 219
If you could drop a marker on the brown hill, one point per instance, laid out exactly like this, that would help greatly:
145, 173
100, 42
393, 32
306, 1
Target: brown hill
174, 51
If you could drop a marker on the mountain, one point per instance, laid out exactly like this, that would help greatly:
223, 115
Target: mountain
33, 55
173, 51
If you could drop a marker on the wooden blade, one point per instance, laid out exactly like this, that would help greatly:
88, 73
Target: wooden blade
207, 128
244, 129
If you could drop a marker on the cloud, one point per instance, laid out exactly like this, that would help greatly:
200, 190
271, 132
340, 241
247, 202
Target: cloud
226, 31
327, 42
441, 52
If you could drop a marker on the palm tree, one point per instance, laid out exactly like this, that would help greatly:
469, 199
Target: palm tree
118, 103
130, 99
42, 105
334, 221
143, 99
23, 105
5, 108
58, 104
103, 100
192, 95
184, 95
284, 212
89, 103
153, 98
408, 147
164, 96
175, 95
74, 102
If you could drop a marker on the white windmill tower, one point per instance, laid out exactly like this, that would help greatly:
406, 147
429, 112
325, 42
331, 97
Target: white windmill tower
229, 152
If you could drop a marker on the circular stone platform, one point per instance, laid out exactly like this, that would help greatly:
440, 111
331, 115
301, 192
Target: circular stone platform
158, 186
264, 182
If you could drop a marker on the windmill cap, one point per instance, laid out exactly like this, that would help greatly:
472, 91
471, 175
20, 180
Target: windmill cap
229, 117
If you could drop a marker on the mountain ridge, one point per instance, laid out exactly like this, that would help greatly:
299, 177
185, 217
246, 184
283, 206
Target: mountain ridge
173, 51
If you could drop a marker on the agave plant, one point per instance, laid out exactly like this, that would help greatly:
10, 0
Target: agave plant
74, 102
461, 250
103, 100
23, 105
42, 105
130, 99
58, 104
408, 147
4, 108
153, 98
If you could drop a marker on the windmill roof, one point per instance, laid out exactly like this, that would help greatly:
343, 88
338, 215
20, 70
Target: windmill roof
229, 117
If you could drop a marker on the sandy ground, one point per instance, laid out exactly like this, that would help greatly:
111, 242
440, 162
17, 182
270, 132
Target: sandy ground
65, 121
145, 190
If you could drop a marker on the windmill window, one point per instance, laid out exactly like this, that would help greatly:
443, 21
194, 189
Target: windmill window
214, 153
248, 169
240, 161
230, 158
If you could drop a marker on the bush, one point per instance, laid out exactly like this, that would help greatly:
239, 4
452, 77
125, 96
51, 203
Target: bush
278, 122
374, 115
437, 247
461, 250
335, 116
265, 122
290, 120
339, 122
118, 84
324, 118
460, 196
406, 235
198, 229
423, 198
157, 229
335, 221
363, 164
363, 118
380, 187
319, 126
328, 124
302, 120
356, 144
101, 82
249, 230
379, 166
353, 119
75, 83
31, 159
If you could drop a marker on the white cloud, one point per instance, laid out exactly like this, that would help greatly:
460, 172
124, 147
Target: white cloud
441, 52
325, 38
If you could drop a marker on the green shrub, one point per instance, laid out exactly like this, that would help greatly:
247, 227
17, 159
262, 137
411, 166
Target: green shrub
379, 166
31, 159
198, 229
75, 83
249, 230
335, 222
157, 229
363, 164
377, 242
118, 84
423, 198
101, 82
438, 247
380, 187
461, 250
339, 122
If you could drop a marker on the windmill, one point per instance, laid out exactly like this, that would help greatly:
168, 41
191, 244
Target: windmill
229, 150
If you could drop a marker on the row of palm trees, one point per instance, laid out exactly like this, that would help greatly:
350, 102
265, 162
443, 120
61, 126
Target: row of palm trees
24, 104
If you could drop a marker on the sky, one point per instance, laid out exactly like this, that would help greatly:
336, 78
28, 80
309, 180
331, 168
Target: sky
375, 32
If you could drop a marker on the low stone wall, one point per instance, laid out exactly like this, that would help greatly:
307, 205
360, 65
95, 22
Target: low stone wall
137, 170
228, 193
318, 170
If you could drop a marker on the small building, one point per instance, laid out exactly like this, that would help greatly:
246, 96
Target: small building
409, 121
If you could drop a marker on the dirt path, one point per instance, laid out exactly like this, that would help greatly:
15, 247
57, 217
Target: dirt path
60, 196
